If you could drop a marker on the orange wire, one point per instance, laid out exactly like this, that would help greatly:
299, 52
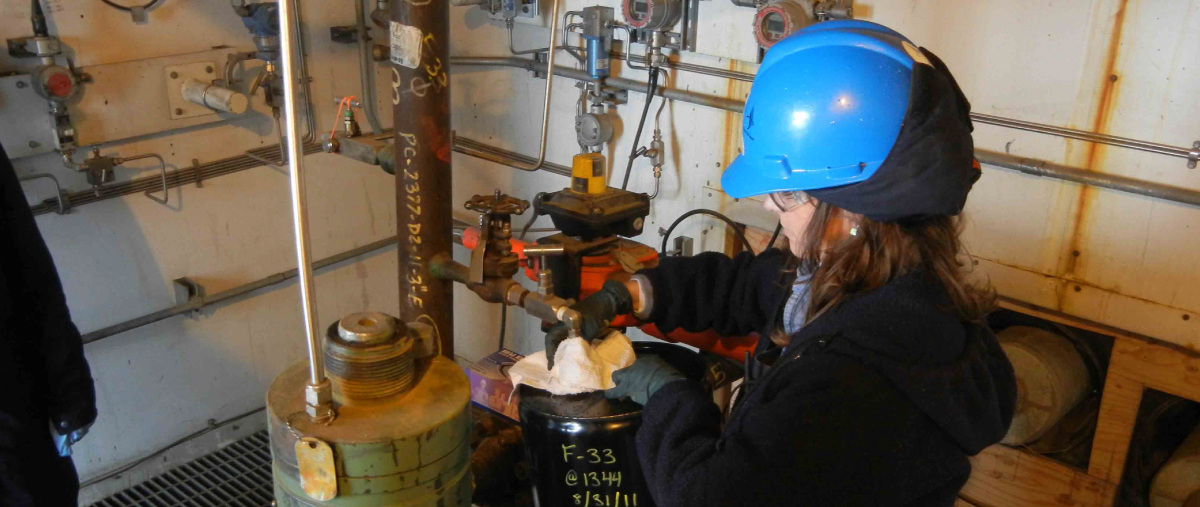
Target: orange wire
345, 101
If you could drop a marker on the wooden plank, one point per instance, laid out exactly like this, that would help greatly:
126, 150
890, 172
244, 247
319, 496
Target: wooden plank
1002, 476
963, 503
1135, 366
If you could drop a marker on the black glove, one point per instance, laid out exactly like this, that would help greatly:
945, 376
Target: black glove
642, 379
596, 311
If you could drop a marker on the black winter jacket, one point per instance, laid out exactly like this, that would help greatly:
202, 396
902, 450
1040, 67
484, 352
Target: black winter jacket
878, 402
42, 369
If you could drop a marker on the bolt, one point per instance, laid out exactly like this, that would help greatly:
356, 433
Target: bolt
178, 111
208, 69
174, 75
1196, 145
34, 144
22, 84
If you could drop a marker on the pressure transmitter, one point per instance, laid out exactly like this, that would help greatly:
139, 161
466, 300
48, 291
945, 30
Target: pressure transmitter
652, 15
779, 19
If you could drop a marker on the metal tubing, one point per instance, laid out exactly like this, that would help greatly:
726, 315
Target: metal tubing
490, 153
1030, 166
60, 196
1124, 142
611, 83
366, 68
423, 143
1192, 155
549, 87
174, 179
206, 301
162, 170
289, 52
1086, 177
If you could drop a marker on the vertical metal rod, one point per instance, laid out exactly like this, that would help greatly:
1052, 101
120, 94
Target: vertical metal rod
289, 49
366, 68
420, 57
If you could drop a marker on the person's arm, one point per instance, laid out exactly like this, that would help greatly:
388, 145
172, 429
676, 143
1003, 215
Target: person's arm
42, 310
732, 296
828, 432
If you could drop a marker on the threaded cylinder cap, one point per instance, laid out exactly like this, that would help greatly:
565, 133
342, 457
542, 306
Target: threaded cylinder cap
368, 356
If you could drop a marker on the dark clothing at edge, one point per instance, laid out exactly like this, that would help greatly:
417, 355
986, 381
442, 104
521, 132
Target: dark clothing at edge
878, 402
42, 368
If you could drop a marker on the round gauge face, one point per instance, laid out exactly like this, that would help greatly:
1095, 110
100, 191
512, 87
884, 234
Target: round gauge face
59, 84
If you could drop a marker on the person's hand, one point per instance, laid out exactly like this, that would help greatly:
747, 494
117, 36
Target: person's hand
642, 379
595, 311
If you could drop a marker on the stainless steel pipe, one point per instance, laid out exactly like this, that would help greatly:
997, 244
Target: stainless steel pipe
318, 393
1029, 166
1110, 181
1192, 155
549, 87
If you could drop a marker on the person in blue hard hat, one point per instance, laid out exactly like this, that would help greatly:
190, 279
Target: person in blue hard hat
875, 377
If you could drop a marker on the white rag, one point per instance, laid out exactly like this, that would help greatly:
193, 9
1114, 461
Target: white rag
578, 366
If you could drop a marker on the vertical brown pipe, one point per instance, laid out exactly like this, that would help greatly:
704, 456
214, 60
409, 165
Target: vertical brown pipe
420, 55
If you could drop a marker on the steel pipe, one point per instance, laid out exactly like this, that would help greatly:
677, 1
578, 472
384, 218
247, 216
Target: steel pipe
549, 87
490, 153
423, 141
610, 83
318, 391
1029, 166
1191, 155
366, 68
1110, 181
203, 302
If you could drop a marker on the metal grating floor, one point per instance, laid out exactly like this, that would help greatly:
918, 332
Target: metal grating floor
237, 475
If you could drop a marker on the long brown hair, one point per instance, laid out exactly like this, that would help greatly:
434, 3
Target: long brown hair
880, 252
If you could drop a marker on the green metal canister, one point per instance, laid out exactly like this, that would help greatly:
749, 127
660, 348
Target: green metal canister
401, 435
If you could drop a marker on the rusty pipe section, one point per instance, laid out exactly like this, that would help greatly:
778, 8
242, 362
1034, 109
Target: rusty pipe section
548, 307
420, 59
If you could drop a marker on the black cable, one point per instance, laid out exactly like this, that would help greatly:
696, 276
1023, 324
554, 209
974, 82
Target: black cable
775, 235
39, 20
525, 229
736, 228
213, 426
148, 5
651, 87
503, 323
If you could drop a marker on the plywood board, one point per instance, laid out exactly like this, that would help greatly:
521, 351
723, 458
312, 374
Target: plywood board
1135, 366
1003, 477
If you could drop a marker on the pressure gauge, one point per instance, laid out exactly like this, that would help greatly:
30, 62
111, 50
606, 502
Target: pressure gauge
652, 14
779, 19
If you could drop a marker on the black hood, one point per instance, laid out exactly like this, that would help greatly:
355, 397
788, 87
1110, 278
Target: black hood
953, 371
931, 167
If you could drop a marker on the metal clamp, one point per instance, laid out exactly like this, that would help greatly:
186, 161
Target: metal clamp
1194, 155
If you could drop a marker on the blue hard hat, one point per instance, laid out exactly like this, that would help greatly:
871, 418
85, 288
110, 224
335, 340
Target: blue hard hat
825, 109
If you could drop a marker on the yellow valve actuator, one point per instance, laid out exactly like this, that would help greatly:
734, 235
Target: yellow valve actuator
588, 175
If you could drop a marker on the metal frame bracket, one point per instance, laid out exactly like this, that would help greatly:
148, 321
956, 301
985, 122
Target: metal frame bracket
187, 291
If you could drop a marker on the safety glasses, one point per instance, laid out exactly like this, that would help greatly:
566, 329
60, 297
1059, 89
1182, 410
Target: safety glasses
789, 200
